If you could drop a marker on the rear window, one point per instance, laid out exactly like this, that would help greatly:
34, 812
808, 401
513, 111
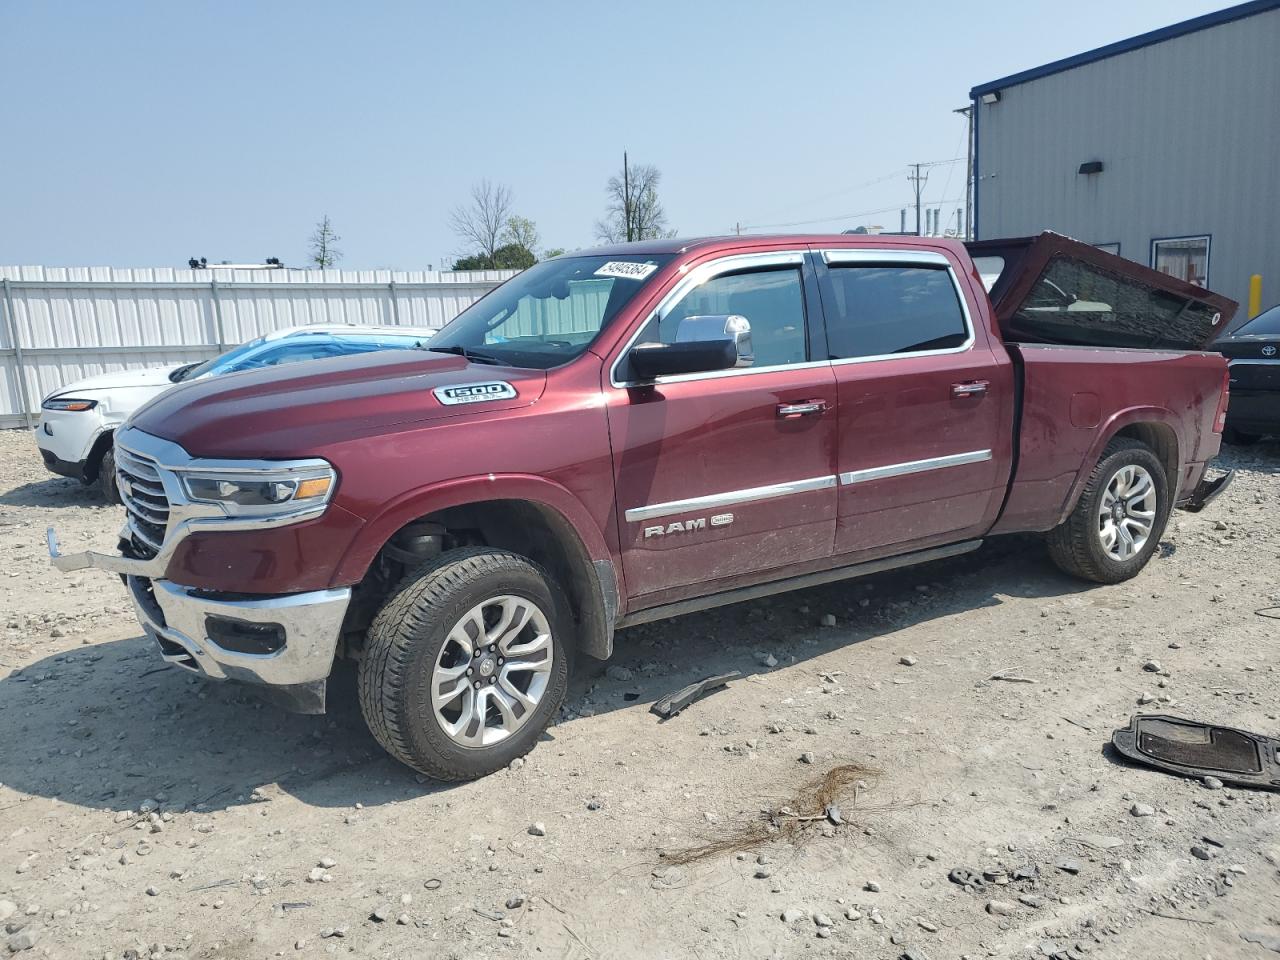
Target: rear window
886, 310
1078, 302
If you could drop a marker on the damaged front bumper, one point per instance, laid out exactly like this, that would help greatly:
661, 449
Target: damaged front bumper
284, 645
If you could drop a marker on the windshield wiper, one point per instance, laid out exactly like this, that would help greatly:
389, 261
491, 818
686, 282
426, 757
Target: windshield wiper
461, 351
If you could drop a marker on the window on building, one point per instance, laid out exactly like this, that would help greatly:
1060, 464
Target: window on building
879, 311
1186, 258
1113, 248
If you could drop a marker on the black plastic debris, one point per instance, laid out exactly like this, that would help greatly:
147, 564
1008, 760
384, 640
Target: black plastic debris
668, 706
1189, 748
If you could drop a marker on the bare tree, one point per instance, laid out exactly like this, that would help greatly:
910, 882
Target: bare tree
522, 232
324, 249
482, 223
633, 211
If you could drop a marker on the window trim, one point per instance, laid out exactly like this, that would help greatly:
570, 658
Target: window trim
1208, 255
697, 276
902, 258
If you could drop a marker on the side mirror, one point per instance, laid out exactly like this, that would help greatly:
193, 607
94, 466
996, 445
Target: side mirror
180, 374
716, 326
702, 344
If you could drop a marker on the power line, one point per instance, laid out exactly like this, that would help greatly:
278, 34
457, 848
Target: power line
839, 193
836, 217
739, 227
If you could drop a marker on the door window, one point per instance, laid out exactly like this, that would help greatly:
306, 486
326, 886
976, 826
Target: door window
1186, 258
772, 301
881, 311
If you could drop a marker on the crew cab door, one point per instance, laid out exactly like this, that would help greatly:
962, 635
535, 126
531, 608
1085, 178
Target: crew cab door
925, 398
729, 472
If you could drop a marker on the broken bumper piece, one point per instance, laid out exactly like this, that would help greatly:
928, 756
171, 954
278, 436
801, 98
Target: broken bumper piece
1207, 491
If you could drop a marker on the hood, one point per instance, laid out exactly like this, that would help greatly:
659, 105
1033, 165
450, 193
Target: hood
152, 377
298, 409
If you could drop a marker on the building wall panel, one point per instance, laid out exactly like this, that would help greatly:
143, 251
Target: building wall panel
1188, 130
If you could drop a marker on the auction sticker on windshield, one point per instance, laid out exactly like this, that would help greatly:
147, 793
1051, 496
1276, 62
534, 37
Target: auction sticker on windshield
626, 270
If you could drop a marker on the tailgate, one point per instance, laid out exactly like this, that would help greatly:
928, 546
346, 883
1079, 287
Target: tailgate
1052, 289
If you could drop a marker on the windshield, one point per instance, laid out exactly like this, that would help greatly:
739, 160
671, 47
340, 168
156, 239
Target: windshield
549, 314
220, 363
1265, 324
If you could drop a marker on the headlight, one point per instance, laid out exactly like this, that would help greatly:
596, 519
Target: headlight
262, 491
68, 403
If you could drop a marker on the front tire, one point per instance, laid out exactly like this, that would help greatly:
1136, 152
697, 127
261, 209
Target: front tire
107, 478
466, 663
1117, 523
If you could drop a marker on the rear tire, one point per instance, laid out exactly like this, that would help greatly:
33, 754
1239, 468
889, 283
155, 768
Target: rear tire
1117, 523
446, 701
107, 478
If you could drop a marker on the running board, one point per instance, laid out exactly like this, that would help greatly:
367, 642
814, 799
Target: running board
681, 607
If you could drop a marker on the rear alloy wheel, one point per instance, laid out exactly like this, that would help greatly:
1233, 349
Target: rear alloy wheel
1127, 513
1117, 522
466, 663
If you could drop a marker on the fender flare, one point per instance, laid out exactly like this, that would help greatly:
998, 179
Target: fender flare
459, 492
1107, 432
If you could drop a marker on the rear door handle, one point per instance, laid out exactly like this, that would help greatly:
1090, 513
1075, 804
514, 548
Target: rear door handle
809, 408
973, 388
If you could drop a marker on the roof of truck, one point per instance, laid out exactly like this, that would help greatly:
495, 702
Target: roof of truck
672, 245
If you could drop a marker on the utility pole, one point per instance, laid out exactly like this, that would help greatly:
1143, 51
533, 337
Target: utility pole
967, 112
627, 205
737, 228
918, 180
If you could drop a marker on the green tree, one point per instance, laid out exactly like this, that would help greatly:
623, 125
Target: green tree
521, 232
511, 256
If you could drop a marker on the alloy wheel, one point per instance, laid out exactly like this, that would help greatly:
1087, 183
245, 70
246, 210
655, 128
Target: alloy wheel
492, 671
1127, 512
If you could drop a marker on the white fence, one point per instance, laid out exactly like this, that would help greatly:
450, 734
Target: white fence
60, 325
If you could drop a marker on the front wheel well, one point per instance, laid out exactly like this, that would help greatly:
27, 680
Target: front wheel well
93, 462
524, 527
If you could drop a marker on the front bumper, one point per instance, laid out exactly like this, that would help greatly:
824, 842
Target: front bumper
302, 630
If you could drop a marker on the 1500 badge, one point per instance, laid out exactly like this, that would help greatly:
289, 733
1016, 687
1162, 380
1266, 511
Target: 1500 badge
688, 526
475, 392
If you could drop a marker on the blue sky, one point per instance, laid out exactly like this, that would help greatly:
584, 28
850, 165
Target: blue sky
139, 134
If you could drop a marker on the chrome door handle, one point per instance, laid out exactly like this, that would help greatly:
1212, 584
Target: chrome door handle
807, 409
974, 388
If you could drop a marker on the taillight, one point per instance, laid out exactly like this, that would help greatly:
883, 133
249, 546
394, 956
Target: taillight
1220, 418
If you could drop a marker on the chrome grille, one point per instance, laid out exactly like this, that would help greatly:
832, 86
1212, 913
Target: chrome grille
142, 491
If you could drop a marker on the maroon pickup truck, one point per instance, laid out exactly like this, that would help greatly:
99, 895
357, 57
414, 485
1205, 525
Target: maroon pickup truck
643, 430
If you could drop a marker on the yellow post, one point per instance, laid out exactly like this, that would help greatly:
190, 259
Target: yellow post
1255, 295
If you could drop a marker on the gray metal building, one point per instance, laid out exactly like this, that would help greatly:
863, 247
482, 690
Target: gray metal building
1164, 148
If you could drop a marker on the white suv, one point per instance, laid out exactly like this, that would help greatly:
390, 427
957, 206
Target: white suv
78, 421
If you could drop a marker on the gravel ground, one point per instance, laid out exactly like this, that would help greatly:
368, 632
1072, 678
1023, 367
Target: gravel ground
144, 813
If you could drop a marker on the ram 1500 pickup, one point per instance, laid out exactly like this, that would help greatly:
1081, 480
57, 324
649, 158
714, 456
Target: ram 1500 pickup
643, 430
